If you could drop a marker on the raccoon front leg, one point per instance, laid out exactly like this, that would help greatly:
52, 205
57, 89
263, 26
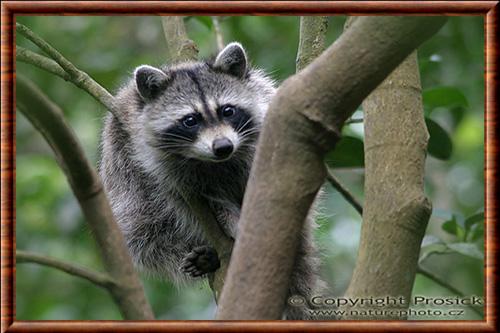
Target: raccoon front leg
200, 261
227, 218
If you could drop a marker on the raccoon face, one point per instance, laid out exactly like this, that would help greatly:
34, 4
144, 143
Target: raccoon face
203, 111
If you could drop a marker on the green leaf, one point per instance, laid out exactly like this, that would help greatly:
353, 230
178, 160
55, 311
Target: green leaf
455, 226
437, 248
457, 113
467, 249
476, 233
430, 240
348, 153
440, 145
471, 220
450, 227
444, 97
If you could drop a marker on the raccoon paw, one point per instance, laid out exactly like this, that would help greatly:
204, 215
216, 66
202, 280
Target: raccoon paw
201, 260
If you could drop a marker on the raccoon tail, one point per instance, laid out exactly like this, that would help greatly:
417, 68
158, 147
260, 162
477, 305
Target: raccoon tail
305, 281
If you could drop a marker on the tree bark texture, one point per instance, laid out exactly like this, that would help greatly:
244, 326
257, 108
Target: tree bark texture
312, 39
180, 47
303, 124
396, 210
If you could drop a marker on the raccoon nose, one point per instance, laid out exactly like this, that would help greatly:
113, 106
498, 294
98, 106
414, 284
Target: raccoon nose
222, 147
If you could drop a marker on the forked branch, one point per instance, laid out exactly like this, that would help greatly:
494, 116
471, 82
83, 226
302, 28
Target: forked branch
61, 67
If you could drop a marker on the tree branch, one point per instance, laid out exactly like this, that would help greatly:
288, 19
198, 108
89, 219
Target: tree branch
216, 237
311, 45
445, 284
180, 47
218, 33
97, 278
344, 192
76, 76
48, 118
307, 114
396, 210
42, 62
420, 270
311, 39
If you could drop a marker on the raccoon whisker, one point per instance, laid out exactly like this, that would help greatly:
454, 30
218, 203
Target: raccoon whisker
172, 146
240, 124
249, 131
183, 138
175, 142
238, 128
246, 135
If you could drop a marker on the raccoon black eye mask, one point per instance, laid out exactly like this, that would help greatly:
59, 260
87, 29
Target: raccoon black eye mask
189, 128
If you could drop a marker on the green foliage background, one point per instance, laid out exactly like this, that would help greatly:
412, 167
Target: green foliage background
49, 220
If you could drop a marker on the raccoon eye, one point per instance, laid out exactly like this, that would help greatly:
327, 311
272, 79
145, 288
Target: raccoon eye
228, 111
189, 121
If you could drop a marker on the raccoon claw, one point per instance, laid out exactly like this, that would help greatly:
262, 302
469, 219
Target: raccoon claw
201, 260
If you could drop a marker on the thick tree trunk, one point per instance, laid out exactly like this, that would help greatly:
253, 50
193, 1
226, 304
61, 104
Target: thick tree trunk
396, 210
303, 124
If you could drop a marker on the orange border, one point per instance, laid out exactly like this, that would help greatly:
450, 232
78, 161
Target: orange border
9, 9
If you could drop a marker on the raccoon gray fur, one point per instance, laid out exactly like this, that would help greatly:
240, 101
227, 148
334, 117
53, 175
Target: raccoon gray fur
189, 128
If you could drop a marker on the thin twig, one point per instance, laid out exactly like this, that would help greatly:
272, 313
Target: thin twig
40, 61
218, 32
76, 76
345, 192
354, 121
97, 278
445, 284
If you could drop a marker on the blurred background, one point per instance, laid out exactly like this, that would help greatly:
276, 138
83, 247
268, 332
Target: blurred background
49, 220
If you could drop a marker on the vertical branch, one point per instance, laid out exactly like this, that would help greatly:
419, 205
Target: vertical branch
47, 117
396, 210
219, 38
180, 47
311, 39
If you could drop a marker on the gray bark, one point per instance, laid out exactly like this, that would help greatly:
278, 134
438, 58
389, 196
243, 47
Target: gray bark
396, 210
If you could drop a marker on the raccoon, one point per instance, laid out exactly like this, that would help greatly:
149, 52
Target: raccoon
189, 128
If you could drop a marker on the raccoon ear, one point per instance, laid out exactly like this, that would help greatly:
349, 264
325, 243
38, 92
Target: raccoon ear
150, 81
232, 60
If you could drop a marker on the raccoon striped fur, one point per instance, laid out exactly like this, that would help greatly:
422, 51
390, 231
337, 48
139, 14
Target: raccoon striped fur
189, 128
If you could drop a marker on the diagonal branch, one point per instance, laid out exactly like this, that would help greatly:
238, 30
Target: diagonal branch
76, 76
431, 276
97, 278
42, 62
48, 118
311, 45
344, 192
307, 114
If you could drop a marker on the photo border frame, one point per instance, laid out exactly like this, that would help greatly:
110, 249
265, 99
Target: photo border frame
9, 11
